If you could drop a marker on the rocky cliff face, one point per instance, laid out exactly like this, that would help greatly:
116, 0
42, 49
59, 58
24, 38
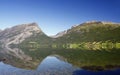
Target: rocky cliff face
16, 35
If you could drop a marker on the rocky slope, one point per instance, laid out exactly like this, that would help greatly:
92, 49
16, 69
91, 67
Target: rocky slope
60, 34
16, 35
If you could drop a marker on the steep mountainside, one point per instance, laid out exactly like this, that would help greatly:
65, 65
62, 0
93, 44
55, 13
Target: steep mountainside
14, 36
17, 34
90, 32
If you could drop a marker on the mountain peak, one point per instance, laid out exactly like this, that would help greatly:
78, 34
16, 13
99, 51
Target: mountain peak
103, 22
31, 24
107, 22
19, 33
26, 27
16, 35
93, 21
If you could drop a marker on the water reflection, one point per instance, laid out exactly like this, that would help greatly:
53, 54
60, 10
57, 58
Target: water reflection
62, 62
53, 65
6, 69
106, 72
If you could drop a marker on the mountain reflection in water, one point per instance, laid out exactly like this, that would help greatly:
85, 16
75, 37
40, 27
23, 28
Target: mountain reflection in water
53, 65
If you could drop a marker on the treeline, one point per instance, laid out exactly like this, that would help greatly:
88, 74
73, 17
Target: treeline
89, 45
107, 45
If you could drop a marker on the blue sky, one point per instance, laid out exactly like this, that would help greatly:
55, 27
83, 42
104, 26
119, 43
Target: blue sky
54, 16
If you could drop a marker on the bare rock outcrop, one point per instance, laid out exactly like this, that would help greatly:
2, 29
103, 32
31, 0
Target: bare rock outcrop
16, 35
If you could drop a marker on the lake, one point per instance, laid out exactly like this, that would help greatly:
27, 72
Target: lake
63, 62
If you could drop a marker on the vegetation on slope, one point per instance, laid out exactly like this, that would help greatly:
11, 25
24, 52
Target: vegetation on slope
87, 35
90, 32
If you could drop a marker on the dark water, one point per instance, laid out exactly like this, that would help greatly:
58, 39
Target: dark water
52, 65
64, 63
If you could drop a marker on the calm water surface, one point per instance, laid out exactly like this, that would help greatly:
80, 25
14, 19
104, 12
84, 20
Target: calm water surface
53, 65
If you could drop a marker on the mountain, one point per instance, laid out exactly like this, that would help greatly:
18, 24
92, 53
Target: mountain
94, 31
18, 34
31, 36
10, 38
22, 41
87, 34
13, 39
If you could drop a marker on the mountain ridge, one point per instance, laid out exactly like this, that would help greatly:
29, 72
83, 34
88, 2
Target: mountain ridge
30, 35
93, 31
15, 35
24, 43
91, 23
